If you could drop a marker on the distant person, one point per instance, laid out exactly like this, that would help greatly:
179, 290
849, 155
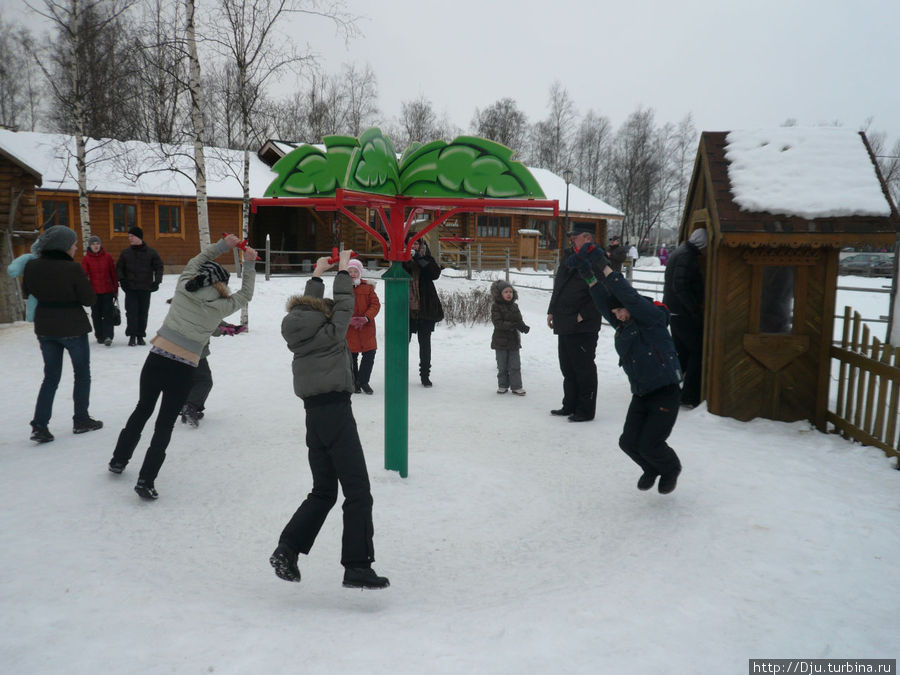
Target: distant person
683, 292
633, 254
140, 272
315, 330
575, 320
663, 255
505, 340
16, 269
361, 333
425, 309
202, 299
202, 381
101, 272
616, 253
61, 325
647, 355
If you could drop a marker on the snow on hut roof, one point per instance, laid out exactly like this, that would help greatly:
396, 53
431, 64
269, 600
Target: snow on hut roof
818, 172
134, 167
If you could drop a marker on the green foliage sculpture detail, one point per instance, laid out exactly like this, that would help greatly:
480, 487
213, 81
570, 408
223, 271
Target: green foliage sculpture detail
467, 167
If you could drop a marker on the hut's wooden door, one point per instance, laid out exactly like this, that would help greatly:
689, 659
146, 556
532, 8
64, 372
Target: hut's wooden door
528, 248
770, 334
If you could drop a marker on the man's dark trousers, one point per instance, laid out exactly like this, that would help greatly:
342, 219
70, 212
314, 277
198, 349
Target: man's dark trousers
576, 361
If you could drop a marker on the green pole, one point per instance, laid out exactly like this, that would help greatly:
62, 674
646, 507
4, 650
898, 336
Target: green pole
396, 363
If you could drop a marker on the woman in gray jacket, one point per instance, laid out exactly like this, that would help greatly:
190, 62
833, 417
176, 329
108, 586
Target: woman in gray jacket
200, 302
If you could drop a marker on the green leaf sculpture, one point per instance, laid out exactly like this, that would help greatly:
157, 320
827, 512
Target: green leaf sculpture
468, 167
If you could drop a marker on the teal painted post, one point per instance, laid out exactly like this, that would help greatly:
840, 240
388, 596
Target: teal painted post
396, 364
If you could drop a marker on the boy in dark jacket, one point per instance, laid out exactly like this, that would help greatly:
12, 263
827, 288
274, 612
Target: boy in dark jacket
315, 330
505, 341
647, 355
140, 272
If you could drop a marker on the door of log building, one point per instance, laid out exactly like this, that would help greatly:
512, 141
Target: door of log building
770, 322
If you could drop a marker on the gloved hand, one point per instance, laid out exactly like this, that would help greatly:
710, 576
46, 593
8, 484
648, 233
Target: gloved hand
595, 255
154, 288
358, 322
226, 328
523, 328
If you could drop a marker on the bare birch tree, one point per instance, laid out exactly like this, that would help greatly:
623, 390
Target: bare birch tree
19, 97
551, 137
591, 152
504, 123
78, 24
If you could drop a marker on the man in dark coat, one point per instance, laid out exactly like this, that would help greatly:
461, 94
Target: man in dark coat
616, 253
61, 325
140, 272
683, 295
425, 308
576, 321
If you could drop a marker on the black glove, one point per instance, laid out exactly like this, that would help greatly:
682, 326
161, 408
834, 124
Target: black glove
154, 288
523, 328
595, 255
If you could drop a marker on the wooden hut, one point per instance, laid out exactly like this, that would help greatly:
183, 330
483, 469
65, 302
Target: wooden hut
778, 207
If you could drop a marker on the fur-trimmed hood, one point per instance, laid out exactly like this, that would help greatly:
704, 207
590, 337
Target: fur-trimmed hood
324, 305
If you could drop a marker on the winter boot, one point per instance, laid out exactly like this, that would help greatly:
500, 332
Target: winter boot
116, 465
132, 341
502, 390
284, 562
366, 388
668, 481
87, 425
40, 434
145, 489
141, 342
364, 577
519, 391
190, 415
646, 481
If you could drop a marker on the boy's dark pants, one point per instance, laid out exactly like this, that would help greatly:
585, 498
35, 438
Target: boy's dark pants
649, 422
201, 385
335, 456
137, 309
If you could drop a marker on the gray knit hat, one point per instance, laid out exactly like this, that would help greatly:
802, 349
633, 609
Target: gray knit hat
57, 238
699, 238
94, 238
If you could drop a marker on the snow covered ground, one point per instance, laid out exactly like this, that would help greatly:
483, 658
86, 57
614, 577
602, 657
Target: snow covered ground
518, 544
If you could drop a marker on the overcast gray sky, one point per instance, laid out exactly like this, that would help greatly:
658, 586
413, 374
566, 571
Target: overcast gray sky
733, 64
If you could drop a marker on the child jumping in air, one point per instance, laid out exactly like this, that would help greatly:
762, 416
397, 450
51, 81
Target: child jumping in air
505, 341
315, 330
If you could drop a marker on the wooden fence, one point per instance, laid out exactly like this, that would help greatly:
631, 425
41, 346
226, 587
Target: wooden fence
868, 395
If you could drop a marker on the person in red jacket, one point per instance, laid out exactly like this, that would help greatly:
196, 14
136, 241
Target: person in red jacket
100, 269
361, 333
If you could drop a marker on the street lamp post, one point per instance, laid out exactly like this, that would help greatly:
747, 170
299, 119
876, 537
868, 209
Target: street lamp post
567, 176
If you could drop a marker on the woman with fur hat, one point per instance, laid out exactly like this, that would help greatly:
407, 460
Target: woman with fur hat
425, 309
202, 299
314, 329
101, 272
62, 289
361, 333
505, 341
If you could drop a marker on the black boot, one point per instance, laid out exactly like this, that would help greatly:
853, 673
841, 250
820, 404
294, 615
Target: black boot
646, 481
40, 434
284, 562
364, 577
668, 481
132, 341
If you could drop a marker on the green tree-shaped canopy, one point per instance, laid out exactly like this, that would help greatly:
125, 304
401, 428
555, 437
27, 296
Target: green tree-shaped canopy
466, 167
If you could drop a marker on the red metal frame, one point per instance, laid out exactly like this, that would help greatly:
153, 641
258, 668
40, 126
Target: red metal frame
396, 221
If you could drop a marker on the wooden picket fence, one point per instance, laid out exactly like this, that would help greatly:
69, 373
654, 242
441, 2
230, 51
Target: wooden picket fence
868, 396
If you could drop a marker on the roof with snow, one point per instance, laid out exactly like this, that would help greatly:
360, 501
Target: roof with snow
815, 183
821, 172
134, 167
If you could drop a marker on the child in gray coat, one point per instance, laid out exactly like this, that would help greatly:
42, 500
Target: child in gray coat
315, 330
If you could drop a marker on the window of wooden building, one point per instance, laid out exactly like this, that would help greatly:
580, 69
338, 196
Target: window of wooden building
168, 220
123, 217
494, 226
776, 307
54, 213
